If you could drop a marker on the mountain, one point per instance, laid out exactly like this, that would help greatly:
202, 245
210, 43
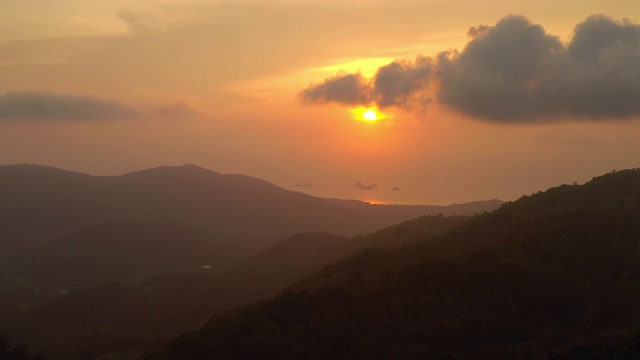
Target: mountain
41, 204
120, 251
411, 232
64, 234
310, 251
114, 318
548, 273
299, 251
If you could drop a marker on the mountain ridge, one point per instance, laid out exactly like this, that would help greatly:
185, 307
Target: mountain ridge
42, 203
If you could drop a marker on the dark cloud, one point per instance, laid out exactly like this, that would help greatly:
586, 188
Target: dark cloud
395, 84
362, 186
395, 188
349, 89
598, 33
513, 72
494, 77
20, 106
49, 106
598, 76
304, 185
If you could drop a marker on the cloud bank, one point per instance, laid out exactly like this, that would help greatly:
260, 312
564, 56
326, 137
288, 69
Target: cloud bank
511, 72
348, 89
25, 106
50, 106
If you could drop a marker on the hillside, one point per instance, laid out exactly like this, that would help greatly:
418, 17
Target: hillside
41, 204
112, 318
122, 252
548, 273
299, 251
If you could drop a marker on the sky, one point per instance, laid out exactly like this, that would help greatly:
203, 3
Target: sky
409, 102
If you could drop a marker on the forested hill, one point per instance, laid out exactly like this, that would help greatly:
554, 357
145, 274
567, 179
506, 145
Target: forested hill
546, 275
129, 319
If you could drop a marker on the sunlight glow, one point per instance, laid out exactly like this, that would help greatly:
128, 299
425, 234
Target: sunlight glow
376, 202
368, 114
367, 67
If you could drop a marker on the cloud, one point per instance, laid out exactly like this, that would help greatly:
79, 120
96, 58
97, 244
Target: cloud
599, 75
494, 77
50, 106
515, 72
362, 186
395, 84
512, 72
348, 89
25, 106
395, 188
304, 185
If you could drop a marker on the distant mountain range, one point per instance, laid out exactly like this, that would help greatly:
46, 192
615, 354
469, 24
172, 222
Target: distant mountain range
41, 204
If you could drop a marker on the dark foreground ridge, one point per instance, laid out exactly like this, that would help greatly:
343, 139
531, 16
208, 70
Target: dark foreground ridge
552, 275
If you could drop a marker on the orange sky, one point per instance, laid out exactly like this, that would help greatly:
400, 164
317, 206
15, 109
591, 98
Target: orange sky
217, 83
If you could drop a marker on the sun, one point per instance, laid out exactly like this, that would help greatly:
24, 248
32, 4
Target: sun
368, 114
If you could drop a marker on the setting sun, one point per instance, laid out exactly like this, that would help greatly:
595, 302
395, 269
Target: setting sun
368, 114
